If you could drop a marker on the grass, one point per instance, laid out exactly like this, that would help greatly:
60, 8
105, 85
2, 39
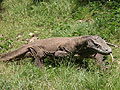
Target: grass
56, 18
27, 76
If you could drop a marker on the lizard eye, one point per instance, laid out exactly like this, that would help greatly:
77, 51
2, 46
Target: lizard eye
97, 45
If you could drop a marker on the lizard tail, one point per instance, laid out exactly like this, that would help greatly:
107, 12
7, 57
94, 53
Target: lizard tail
14, 54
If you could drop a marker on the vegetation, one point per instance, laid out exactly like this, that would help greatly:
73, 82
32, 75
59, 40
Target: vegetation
54, 18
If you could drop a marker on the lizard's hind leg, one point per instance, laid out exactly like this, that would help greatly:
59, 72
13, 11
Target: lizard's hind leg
38, 54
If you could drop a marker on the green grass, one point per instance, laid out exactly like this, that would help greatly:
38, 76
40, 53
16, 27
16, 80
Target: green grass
57, 18
65, 77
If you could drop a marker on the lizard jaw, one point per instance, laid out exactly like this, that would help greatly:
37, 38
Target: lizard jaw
104, 51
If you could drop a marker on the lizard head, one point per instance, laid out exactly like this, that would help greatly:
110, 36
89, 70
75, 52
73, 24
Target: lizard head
98, 45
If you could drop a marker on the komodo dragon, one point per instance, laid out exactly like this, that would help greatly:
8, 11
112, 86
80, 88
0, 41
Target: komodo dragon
84, 46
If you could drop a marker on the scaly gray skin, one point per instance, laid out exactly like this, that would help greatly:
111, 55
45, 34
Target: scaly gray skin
84, 46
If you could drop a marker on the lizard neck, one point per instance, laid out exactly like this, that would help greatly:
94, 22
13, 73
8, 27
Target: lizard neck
81, 46
80, 41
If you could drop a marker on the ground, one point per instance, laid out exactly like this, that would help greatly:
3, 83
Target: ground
57, 18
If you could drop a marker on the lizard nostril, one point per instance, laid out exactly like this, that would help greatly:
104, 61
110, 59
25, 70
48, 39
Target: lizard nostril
106, 49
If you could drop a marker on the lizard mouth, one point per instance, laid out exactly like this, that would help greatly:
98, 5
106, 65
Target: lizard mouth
104, 51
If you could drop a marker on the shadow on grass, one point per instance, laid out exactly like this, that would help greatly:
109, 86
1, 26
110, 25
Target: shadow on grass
1, 8
0, 5
71, 61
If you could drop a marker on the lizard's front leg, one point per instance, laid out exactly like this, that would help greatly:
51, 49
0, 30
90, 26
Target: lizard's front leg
38, 54
100, 61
